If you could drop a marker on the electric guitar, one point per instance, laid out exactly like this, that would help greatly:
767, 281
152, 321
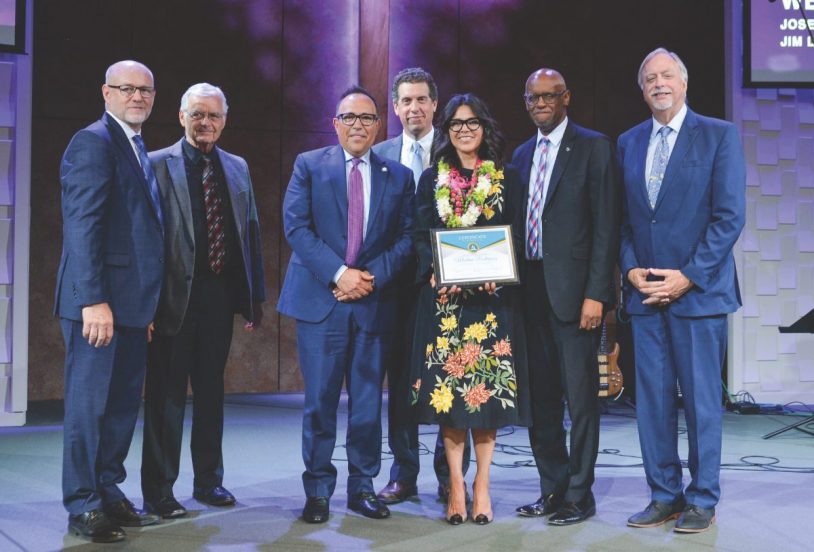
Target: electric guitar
611, 382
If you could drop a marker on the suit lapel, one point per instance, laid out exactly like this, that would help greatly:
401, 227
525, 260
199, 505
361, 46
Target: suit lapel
563, 156
234, 184
179, 188
684, 140
335, 167
641, 142
378, 181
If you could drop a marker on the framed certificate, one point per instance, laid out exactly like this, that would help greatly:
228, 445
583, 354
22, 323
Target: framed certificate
468, 257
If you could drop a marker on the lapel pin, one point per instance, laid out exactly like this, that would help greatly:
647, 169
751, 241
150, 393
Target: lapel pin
567, 148
384, 169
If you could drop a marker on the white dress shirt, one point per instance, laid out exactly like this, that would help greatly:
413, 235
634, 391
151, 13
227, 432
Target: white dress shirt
407, 142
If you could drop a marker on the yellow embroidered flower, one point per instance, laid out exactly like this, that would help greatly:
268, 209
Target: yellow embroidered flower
490, 318
441, 399
476, 331
494, 189
488, 212
498, 175
441, 343
449, 323
429, 349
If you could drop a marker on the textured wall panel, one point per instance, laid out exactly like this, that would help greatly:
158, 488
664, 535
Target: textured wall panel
5, 330
7, 104
6, 252
6, 176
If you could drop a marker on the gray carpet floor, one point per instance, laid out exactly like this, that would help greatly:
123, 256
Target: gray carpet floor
767, 493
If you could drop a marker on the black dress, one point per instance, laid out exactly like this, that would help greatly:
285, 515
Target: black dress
468, 361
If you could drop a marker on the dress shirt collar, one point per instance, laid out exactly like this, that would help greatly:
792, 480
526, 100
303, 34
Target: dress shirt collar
128, 130
555, 136
675, 123
194, 155
425, 141
365, 157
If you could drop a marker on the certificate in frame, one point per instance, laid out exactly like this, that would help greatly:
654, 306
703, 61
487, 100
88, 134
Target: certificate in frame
468, 257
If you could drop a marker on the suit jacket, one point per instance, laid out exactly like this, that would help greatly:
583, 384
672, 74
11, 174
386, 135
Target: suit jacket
698, 217
315, 221
171, 174
390, 149
580, 220
112, 245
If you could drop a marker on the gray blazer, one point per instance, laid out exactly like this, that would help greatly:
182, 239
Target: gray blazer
179, 241
390, 149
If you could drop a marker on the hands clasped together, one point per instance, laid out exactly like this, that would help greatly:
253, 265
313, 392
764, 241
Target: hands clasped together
354, 284
659, 292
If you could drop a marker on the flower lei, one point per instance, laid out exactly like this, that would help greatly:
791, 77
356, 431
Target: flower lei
460, 202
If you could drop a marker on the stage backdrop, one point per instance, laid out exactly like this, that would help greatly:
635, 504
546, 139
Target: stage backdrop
282, 64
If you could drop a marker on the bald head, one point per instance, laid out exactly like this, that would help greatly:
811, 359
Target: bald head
129, 91
546, 99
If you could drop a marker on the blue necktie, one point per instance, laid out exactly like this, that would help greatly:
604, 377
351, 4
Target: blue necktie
149, 175
417, 163
660, 159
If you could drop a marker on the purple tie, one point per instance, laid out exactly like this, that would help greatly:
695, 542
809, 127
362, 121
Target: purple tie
533, 249
356, 213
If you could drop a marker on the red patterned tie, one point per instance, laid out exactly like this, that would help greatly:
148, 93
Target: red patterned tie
533, 248
214, 218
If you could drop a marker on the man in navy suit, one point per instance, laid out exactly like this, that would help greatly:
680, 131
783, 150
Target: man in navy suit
214, 270
572, 239
684, 187
107, 290
347, 218
415, 99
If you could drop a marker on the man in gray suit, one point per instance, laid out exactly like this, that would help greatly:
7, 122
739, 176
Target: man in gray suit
415, 99
214, 270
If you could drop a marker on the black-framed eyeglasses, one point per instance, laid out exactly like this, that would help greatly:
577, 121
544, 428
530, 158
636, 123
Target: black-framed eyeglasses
201, 115
547, 97
457, 125
129, 90
349, 119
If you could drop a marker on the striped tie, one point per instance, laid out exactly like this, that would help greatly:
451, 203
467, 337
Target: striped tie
534, 248
216, 236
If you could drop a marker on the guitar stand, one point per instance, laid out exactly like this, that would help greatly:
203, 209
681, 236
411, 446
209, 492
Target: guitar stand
796, 425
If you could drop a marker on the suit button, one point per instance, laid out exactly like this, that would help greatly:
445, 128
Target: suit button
653, 221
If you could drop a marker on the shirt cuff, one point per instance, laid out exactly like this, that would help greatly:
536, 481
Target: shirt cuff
339, 273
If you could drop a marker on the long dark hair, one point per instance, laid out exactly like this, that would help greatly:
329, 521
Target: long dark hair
493, 143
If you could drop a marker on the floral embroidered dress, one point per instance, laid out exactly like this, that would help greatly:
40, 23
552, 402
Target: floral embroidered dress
469, 353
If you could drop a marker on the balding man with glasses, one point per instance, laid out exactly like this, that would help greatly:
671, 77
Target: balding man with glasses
572, 238
214, 270
107, 291
347, 218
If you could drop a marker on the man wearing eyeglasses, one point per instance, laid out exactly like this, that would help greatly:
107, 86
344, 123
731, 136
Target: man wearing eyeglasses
347, 218
572, 238
214, 270
108, 285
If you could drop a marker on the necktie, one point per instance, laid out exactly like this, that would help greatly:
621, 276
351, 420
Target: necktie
356, 213
417, 163
215, 234
534, 248
660, 159
149, 175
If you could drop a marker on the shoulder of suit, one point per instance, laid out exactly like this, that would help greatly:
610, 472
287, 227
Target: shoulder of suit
226, 156
530, 143
629, 133
583, 132
710, 122
381, 146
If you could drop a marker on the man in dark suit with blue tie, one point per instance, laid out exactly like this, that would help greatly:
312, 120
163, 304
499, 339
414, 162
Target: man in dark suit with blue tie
684, 187
415, 99
347, 218
572, 238
107, 290
214, 270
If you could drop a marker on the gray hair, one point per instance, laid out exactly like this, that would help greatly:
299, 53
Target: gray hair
413, 75
204, 90
673, 55
126, 64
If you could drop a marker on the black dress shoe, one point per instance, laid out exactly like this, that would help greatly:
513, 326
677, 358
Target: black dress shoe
166, 507
317, 509
657, 513
368, 505
695, 519
125, 513
570, 513
96, 526
397, 491
214, 496
545, 506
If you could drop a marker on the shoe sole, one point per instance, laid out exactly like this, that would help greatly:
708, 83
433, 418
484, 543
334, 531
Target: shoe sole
557, 523
682, 530
389, 501
529, 515
656, 524
97, 540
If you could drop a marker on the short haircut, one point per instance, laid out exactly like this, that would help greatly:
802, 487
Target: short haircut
654, 53
204, 90
126, 63
357, 89
413, 75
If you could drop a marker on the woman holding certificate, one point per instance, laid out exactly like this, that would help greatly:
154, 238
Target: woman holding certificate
469, 353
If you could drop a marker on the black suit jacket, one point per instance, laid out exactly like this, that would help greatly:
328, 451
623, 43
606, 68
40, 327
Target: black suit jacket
171, 174
580, 220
